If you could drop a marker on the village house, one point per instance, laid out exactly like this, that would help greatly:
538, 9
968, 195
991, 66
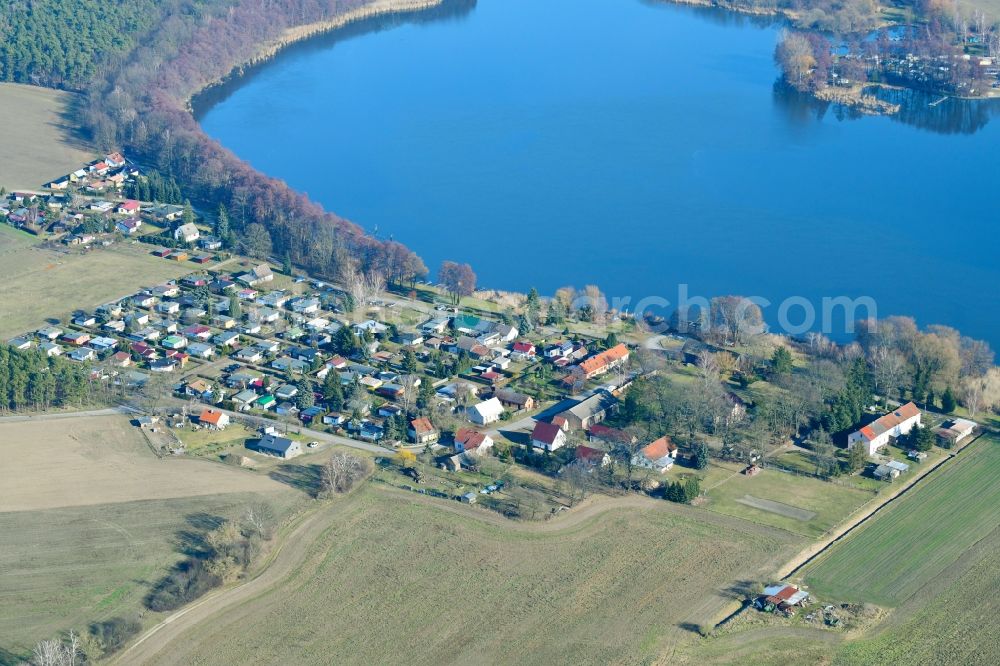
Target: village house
187, 233
592, 457
279, 447
249, 355
102, 344
659, 455
174, 342
259, 274
20, 343
878, 433
213, 419
954, 431
51, 349
286, 392
290, 365
605, 361
128, 227
472, 442
486, 412
590, 411
77, 338
128, 207
227, 339
522, 351
514, 400
209, 243
83, 354
422, 431
547, 436
198, 388
201, 350
84, 320
435, 326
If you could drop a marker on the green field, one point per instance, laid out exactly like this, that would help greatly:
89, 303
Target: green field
401, 579
917, 537
955, 626
829, 502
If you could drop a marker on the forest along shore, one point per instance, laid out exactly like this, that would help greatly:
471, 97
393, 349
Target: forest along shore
300, 33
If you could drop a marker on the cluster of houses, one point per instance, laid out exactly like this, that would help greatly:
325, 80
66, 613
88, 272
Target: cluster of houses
87, 207
875, 437
280, 337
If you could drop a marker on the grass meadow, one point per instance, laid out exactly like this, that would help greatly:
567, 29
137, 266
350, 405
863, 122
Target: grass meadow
733, 494
398, 578
68, 280
91, 520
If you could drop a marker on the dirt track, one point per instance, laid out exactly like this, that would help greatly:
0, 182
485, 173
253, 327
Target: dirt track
161, 643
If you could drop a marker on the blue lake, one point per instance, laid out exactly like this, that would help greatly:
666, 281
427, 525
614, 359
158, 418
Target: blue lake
630, 144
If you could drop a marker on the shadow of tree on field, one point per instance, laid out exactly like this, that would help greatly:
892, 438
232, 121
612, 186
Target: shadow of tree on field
690, 626
301, 477
190, 539
8, 658
742, 589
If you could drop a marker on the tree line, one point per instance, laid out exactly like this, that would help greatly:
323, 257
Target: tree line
140, 103
31, 380
63, 43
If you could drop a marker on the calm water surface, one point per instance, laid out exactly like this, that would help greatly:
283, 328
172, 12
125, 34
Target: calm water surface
630, 144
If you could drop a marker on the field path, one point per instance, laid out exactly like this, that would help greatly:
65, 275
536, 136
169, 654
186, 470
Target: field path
164, 643
158, 641
56, 416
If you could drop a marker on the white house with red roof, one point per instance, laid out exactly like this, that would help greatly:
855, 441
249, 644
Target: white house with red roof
878, 433
214, 419
472, 442
547, 436
128, 207
659, 455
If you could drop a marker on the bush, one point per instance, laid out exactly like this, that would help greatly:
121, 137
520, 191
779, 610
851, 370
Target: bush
191, 580
113, 634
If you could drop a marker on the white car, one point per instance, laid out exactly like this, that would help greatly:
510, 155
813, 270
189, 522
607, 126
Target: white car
312, 445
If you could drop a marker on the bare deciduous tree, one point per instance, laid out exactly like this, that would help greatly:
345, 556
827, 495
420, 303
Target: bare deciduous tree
53, 652
980, 393
341, 472
362, 286
258, 519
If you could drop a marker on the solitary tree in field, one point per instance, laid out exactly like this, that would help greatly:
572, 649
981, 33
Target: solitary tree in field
341, 472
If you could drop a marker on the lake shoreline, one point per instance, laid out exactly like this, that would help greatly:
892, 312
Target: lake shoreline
270, 49
852, 97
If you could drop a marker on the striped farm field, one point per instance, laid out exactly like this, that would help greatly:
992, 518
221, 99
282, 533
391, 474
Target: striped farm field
917, 537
